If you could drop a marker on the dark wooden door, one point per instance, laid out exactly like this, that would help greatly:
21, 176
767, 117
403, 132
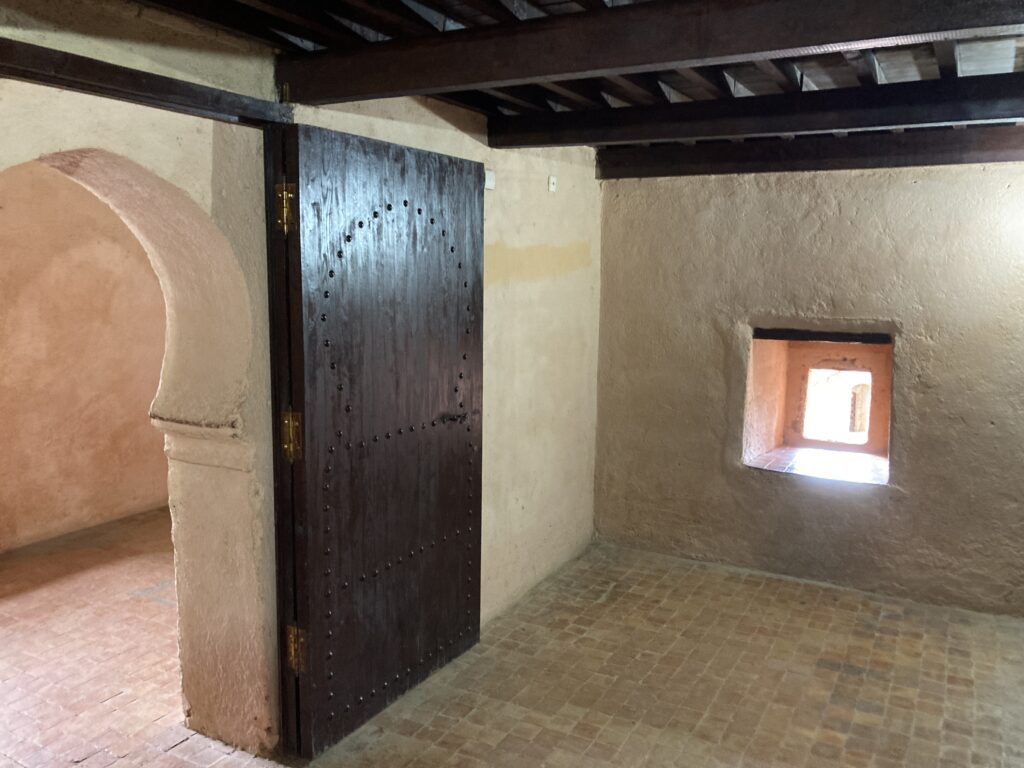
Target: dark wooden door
377, 309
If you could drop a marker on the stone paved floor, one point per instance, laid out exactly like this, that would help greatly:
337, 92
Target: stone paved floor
622, 659
632, 659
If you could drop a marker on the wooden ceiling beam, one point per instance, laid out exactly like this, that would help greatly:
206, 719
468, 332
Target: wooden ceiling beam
257, 22
961, 101
947, 57
784, 75
36, 64
659, 35
990, 144
583, 94
389, 17
493, 8
700, 85
633, 90
311, 19
857, 61
520, 97
477, 101
441, 8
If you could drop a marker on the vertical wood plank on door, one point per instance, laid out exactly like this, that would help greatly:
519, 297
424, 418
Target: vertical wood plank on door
390, 329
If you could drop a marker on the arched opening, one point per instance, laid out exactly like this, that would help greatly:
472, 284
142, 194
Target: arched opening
96, 218
82, 341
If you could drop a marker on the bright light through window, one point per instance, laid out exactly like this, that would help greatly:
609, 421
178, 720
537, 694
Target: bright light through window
838, 406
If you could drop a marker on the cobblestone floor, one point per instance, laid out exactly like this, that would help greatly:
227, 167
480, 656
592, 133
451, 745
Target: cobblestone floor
626, 658
623, 658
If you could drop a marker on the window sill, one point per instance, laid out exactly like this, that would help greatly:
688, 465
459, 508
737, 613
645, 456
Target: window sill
846, 466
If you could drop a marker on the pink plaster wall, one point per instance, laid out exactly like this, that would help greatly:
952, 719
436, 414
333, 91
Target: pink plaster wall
81, 347
765, 410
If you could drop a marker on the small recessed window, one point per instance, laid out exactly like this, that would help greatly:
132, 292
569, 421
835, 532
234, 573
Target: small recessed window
819, 404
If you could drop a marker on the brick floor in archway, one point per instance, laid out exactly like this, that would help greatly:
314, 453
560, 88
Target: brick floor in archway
89, 670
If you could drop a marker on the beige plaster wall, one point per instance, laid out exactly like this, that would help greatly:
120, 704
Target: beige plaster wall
934, 255
82, 341
541, 305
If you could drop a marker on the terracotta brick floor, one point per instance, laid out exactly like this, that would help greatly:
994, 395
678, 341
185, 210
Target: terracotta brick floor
88, 654
622, 659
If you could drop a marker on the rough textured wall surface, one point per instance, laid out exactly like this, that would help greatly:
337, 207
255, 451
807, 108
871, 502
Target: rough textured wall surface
81, 340
935, 256
541, 305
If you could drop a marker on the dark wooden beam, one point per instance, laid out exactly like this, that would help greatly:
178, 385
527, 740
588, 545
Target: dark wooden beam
317, 22
699, 85
941, 146
520, 97
460, 16
36, 64
388, 17
783, 76
632, 89
860, 66
947, 58
493, 8
931, 103
258, 24
582, 94
659, 35
477, 101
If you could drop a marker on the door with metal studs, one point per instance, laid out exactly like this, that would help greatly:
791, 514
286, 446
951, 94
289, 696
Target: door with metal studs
376, 310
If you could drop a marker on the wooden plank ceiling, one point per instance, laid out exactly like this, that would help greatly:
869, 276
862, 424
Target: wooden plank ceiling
660, 78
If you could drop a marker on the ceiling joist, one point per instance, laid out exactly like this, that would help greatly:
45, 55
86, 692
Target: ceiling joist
959, 101
992, 144
659, 35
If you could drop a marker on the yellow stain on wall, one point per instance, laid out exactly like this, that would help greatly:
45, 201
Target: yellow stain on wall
504, 263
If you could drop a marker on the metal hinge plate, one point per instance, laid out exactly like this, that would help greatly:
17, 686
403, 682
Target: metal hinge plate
291, 435
296, 639
284, 195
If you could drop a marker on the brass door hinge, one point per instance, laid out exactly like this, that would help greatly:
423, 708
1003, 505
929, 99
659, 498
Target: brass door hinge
291, 435
284, 195
296, 639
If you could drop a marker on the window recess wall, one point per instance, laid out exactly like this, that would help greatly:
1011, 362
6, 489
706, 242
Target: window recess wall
819, 404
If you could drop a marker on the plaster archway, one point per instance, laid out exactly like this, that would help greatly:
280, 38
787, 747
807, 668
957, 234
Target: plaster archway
225, 638
209, 320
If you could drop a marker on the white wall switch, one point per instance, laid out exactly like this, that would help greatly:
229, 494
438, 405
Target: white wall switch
490, 179
552, 183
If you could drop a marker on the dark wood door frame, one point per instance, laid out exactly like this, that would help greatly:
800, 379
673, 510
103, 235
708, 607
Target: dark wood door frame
284, 294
